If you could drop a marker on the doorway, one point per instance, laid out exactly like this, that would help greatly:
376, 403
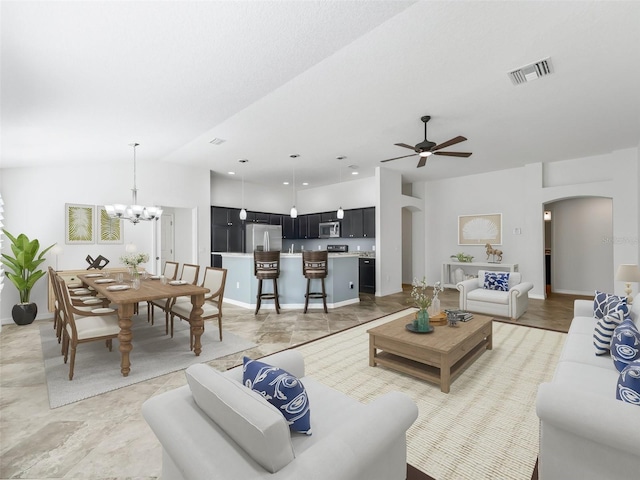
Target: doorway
167, 238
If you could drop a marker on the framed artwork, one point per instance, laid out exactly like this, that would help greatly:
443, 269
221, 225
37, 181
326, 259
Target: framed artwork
480, 229
79, 223
109, 229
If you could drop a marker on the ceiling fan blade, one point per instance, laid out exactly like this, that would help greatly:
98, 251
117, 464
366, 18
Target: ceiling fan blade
396, 158
405, 146
454, 154
422, 162
448, 143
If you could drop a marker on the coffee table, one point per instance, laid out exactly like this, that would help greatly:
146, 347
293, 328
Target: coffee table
438, 357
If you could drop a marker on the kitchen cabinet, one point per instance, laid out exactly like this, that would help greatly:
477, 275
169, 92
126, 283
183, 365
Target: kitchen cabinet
258, 217
352, 224
367, 275
329, 216
289, 227
369, 222
275, 219
309, 226
227, 232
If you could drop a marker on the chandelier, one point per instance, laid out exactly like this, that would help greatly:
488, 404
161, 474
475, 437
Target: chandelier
134, 213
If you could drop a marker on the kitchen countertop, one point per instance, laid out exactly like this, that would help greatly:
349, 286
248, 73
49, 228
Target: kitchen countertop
299, 254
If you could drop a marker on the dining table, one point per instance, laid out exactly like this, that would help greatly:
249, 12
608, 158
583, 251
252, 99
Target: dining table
126, 297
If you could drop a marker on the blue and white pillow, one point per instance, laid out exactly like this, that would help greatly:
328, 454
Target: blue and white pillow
625, 344
604, 303
496, 281
282, 390
628, 389
604, 331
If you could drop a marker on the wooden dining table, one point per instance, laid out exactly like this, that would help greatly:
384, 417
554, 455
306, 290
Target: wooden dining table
150, 289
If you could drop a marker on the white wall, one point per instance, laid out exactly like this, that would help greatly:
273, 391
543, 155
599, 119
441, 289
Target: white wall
35, 205
520, 194
388, 232
227, 192
581, 247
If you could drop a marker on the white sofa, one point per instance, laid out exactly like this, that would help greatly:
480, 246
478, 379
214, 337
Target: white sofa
350, 440
585, 433
511, 304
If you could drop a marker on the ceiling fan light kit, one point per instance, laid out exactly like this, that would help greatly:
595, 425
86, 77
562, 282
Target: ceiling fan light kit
427, 148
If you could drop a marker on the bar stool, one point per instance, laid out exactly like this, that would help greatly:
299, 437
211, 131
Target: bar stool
314, 265
266, 266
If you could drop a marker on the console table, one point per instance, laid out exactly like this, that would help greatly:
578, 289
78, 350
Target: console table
471, 268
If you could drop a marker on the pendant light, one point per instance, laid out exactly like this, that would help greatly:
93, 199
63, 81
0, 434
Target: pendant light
243, 212
294, 210
340, 212
134, 213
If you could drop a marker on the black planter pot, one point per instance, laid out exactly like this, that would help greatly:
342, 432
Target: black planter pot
24, 313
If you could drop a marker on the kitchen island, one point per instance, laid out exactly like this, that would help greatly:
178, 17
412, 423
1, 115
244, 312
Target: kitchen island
341, 283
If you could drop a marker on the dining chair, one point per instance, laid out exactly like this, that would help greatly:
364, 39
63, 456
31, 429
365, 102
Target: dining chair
88, 326
169, 271
214, 279
83, 304
189, 274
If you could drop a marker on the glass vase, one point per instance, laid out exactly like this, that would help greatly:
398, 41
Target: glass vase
434, 309
423, 320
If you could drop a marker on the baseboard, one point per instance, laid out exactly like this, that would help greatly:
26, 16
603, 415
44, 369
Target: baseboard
574, 292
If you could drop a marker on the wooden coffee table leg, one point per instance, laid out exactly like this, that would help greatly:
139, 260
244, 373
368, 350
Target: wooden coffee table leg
445, 374
372, 352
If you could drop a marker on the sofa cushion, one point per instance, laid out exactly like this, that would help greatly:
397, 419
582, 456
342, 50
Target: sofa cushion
491, 296
496, 281
629, 384
282, 390
604, 331
625, 344
254, 424
604, 303
582, 377
578, 347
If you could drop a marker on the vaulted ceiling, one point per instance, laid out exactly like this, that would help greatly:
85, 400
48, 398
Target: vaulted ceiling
82, 80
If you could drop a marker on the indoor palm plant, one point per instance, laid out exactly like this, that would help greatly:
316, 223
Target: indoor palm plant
24, 273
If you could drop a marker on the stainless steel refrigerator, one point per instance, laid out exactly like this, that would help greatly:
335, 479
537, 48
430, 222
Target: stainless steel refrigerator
263, 237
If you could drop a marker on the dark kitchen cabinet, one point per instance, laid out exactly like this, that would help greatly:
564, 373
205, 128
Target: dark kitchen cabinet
309, 226
367, 275
275, 219
352, 224
329, 216
289, 227
369, 222
227, 232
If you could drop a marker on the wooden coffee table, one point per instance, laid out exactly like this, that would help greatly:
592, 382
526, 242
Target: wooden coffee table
438, 357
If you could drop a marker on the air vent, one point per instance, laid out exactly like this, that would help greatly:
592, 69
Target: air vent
217, 141
531, 72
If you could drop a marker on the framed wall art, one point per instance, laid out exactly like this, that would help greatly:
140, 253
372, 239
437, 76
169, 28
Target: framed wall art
79, 223
109, 229
480, 229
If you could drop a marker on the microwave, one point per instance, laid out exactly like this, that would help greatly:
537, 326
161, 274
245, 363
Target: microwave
329, 229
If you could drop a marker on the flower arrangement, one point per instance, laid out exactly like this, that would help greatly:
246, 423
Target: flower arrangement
134, 259
419, 294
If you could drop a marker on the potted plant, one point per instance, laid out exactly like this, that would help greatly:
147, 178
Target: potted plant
23, 273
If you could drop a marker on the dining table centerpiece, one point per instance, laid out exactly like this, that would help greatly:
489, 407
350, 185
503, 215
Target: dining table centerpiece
422, 301
132, 260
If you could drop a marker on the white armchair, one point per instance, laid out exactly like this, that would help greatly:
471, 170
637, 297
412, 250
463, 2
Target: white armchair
512, 303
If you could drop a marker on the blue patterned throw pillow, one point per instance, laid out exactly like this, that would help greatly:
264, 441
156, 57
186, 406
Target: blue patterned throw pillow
604, 331
625, 344
280, 389
628, 389
604, 303
496, 281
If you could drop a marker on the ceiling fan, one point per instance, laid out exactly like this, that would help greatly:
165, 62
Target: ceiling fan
427, 148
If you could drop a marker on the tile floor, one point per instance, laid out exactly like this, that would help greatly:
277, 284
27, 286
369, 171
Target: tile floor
105, 437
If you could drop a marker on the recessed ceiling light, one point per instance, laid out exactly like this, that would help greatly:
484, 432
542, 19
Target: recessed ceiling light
354, 173
305, 183
285, 183
231, 173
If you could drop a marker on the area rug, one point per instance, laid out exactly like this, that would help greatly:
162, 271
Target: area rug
98, 371
485, 428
